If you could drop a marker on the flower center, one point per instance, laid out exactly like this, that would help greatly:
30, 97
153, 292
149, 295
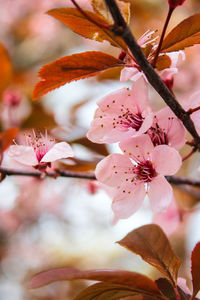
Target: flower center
41, 144
145, 171
157, 135
129, 120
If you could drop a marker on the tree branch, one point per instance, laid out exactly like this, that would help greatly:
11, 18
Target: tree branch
121, 29
54, 174
91, 176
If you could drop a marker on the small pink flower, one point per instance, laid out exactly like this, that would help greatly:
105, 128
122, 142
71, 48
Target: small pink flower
40, 151
170, 219
137, 172
175, 3
122, 114
132, 70
167, 129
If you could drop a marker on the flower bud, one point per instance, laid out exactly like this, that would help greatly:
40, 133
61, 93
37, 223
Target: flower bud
175, 3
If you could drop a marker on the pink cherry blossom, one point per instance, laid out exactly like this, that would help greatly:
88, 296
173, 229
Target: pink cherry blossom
167, 129
137, 172
122, 114
39, 151
170, 219
147, 41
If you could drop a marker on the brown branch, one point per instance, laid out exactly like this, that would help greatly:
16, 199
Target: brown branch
121, 29
54, 174
176, 180
83, 175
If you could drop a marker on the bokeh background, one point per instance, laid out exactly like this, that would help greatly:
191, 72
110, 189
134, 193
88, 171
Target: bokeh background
50, 222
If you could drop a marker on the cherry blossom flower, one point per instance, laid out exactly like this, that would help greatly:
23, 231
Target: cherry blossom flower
167, 129
40, 151
147, 43
122, 114
137, 172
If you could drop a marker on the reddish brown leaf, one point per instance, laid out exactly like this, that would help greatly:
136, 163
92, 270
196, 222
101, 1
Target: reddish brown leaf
7, 137
152, 245
73, 67
195, 260
185, 34
6, 70
166, 288
131, 279
107, 291
84, 27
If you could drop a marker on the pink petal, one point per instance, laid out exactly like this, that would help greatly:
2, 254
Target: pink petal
147, 123
111, 104
181, 282
167, 160
138, 147
23, 154
58, 151
140, 93
127, 73
128, 200
114, 170
102, 131
160, 193
172, 126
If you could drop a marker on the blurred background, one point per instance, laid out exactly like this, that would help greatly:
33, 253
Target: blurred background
50, 222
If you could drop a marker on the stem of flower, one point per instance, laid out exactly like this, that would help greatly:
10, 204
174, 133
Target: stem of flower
192, 110
171, 9
101, 25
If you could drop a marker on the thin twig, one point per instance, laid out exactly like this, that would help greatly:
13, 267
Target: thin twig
162, 36
189, 154
54, 174
120, 28
91, 176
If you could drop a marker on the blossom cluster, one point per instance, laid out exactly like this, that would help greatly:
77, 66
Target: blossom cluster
149, 143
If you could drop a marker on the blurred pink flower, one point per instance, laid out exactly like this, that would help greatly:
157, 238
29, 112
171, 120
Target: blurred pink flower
169, 219
167, 129
40, 151
122, 114
138, 172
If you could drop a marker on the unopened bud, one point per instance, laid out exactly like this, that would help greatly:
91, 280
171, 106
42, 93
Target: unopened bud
11, 98
175, 3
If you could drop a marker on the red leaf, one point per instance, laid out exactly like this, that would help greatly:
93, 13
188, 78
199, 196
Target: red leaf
152, 245
84, 27
108, 291
195, 259
185, 34
131, 279
73, 67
